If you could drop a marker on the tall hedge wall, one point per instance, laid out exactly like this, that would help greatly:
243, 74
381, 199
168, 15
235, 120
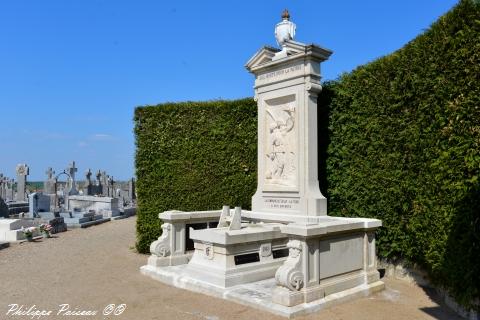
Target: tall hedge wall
405, 148
193, 156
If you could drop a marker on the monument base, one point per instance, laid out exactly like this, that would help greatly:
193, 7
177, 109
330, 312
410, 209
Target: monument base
256, 294
83, 219
287, 269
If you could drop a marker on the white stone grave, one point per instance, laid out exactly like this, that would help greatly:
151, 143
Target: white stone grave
106, 206
286, 255
11, 229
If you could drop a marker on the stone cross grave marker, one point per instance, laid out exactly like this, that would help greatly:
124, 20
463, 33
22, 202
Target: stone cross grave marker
88, 184
22, 173
71, 171
2, 187
49, 184
131, 189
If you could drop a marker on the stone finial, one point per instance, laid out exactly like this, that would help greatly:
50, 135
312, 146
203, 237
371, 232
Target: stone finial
284, 31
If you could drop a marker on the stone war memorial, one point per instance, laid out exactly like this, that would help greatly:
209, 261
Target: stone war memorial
287, 255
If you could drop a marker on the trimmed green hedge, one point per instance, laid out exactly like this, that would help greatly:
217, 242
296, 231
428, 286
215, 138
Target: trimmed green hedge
405, 148
193, 156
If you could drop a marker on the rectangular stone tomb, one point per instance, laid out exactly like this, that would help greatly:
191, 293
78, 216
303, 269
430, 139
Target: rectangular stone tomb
10, 229
106, 206
323, 263
227, 258
17, 207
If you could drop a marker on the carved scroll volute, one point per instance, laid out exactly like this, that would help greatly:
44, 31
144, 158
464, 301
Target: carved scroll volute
161, 247
289, 275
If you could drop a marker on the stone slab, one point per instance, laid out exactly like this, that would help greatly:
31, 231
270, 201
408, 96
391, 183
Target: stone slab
107, 206
75, 223
14, 224
250, 233
15, 235
176, 216
257, 294
126, 213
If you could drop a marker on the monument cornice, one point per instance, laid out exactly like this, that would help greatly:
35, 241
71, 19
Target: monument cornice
264, 58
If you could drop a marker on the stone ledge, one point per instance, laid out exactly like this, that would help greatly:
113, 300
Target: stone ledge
257, 294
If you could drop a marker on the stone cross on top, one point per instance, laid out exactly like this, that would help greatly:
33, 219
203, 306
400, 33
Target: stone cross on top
22, 173
50, 173
88, 174
72, 170
99, 177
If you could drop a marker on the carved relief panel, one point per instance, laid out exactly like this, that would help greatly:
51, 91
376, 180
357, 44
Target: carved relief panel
280, 143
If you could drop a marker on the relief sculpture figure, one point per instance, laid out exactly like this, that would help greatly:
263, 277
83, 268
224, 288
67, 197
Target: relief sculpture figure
279, 150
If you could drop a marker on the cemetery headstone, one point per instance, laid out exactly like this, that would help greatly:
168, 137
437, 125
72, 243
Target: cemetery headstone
98, 185
3, 209
22, 173
2, 188
88, 184
10, 190
71, 170
131, 189
49, 184
38, 202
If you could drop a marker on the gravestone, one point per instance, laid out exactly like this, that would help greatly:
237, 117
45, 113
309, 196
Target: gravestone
38, 202
10, 229
22, 173
10, 190
88, 183
3, 209
72, 184
111, 187
98, 190
49, 184
106, 206
104, 179
2, 187
131, 189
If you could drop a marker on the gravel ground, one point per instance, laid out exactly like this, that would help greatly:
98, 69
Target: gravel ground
90, 269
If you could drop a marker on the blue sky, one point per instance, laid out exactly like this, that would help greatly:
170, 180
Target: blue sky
72, 72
